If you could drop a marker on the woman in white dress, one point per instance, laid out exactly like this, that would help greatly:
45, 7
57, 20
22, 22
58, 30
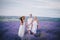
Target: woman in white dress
35, 25
29, 24
22, 27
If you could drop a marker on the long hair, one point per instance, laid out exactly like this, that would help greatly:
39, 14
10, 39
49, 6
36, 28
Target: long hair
21, 19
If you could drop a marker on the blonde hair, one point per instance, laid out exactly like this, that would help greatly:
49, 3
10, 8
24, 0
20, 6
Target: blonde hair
35, 17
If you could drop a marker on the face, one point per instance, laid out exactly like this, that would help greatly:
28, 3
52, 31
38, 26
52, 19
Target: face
30, 15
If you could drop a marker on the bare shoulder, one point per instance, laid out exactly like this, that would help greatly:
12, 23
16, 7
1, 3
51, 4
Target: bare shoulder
20, 22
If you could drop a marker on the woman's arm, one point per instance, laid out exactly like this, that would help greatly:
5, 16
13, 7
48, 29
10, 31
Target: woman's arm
32, 23
38, 26
26, 24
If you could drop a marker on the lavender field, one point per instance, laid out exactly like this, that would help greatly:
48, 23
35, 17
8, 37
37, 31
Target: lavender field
48, 30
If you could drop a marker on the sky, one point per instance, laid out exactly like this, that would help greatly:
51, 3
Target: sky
42, 8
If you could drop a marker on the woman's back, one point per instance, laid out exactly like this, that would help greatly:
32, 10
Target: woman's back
34, 28
21, 28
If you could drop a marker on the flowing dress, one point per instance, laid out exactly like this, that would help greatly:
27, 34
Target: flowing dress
34, 28
21, 30
29, 21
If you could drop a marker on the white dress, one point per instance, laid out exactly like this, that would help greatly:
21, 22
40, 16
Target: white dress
34, 28
21, 30
29, 23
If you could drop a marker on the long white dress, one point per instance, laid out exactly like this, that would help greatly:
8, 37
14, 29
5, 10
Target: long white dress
21, 30
29, 23
34, 28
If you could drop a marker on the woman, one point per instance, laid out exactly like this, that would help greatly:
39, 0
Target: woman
22, 27
29, 24
35, 25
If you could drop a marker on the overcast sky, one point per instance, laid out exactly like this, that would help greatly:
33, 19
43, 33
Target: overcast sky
43, 8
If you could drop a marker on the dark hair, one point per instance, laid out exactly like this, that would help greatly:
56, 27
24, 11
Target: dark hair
21, 19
